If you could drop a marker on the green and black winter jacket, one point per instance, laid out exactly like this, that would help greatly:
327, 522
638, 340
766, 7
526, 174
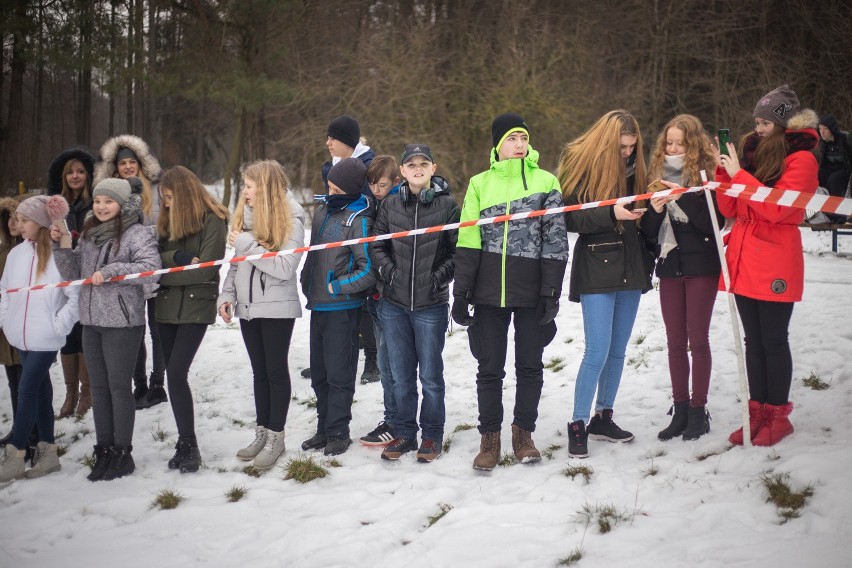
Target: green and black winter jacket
514, 263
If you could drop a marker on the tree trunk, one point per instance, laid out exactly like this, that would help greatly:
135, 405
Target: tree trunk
234, 157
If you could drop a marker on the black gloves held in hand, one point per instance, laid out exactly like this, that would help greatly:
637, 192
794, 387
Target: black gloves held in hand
548, 307
182, 257
461, 313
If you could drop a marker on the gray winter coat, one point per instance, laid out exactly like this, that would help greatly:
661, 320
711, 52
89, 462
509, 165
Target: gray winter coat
112, 304
266, 288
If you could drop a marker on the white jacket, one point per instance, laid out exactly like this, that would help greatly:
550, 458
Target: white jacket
35, 320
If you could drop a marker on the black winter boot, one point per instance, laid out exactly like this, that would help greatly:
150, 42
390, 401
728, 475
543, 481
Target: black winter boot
371, 372
698, 423
102, 456
120, 463
578, 440
187, 458
602, 427
156, 395
678, 424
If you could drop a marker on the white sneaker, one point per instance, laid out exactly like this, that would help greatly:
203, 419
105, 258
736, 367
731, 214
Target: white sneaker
46, 460
271, 451
250, 452
12, 463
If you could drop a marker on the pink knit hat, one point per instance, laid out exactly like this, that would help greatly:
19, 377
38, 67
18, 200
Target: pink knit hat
42, 209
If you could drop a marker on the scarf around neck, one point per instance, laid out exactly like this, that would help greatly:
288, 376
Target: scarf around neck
131, 213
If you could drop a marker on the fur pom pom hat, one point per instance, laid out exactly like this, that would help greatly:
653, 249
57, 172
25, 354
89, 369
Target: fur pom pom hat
43, 210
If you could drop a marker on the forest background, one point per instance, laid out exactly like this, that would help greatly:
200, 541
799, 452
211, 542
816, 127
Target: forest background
211, 84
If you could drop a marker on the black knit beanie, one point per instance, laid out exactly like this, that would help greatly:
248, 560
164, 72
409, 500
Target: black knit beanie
831, 123
346, 129
350, 175
504, 124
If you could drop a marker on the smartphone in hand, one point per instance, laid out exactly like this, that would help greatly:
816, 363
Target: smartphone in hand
65, 234
657, 185
724, 135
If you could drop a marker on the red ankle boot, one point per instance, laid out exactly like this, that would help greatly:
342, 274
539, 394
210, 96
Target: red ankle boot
776, 425
756, 419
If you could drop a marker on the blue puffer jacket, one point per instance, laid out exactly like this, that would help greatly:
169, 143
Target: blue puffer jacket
348, 269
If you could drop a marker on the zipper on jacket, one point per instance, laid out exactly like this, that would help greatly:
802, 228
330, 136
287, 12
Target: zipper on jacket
124, 310
414, 251
505, 247
251, 284
27, 303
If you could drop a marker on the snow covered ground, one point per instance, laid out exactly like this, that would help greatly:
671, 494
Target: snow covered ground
699, 503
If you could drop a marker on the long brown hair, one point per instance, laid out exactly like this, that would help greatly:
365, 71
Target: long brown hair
44, 250
591, 167
67, 193
271, 220
190, 203
699, 154
769, 156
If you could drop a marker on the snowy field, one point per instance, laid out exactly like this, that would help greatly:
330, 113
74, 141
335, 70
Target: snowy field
678, 503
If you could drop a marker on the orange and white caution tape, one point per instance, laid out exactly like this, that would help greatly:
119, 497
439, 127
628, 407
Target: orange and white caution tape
784, 197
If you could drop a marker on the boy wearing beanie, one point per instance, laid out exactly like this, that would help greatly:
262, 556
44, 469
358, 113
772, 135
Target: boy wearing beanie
510, 272
335, 282
343, 140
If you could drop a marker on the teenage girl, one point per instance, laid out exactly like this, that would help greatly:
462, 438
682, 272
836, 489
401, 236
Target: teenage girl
70, 175
688, 267
192, 228
264, 296
610, 269
127, 156
35, 323
113, 242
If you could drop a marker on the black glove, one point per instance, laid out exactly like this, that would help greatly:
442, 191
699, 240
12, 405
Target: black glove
461, 314
548, 307
182, 257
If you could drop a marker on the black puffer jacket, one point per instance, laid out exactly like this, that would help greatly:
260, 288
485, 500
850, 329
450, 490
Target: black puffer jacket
417, 270
696, 253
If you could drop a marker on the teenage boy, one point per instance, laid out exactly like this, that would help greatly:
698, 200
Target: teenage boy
383, 177
416, 272
510, 271
335, 281
343, 140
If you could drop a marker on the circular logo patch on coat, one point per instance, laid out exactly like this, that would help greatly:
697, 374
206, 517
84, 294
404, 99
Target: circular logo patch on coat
779, 286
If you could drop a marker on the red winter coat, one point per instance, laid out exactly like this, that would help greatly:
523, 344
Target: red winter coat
764, 250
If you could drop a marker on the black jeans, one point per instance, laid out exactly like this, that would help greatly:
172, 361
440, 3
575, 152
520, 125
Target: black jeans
769, 363
488, 337
334, 363
268, 344
140, 377
180, 344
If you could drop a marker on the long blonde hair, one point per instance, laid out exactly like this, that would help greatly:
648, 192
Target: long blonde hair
44, 250
271, 222
591, 167
699, 153
86, 193
190, 202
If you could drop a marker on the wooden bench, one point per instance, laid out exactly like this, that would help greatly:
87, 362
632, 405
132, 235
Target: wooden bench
837, 229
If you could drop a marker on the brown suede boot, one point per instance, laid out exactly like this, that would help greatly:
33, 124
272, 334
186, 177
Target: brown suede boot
489, 452
85, 393
523, 445
72, 384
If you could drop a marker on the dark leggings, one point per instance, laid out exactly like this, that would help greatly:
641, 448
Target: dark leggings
268, 344
180, 344
687, 305
769, 363
140, 377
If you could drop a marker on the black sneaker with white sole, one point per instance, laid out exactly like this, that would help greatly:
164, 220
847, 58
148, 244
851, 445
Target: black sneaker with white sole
382, 435
601, 427
577, 438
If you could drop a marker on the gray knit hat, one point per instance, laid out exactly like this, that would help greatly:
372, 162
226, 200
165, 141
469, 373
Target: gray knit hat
778, 106
115, 188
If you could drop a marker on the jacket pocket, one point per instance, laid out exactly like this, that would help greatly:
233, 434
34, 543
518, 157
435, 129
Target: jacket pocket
124, 309
605, 268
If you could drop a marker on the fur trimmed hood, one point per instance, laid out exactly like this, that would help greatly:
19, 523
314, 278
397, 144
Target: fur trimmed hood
805, 119
54, 174
106, 167
9, 204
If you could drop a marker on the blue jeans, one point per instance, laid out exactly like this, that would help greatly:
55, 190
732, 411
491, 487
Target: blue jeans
383, 361
607, 322
35, 398
416, 339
